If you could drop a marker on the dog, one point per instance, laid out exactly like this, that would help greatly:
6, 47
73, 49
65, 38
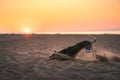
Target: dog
71, 51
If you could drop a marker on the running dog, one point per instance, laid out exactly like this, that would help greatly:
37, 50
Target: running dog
72, 51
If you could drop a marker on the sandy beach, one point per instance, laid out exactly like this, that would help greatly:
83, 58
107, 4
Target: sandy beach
25, 58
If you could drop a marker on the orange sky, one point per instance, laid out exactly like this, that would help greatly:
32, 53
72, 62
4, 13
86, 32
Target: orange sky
59, 15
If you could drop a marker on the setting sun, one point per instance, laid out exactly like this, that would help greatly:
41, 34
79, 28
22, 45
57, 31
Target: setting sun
27, 30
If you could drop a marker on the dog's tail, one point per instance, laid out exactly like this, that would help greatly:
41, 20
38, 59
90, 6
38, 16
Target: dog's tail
92, 38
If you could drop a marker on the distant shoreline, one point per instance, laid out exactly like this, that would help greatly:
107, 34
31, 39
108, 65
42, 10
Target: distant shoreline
53, 34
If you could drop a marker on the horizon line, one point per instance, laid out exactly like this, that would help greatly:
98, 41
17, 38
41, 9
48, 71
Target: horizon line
82, 32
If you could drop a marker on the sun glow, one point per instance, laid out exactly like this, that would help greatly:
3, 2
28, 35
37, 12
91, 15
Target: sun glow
27, 30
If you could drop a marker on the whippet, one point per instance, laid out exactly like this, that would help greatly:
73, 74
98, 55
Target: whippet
71, 51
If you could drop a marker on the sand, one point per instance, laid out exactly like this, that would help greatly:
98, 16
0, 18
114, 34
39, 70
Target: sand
25, 58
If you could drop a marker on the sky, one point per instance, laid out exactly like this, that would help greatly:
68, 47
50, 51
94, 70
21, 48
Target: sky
18, 16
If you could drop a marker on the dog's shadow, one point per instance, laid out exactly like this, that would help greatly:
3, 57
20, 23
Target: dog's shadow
108, 59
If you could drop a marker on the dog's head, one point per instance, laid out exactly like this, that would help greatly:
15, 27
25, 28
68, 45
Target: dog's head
53, 56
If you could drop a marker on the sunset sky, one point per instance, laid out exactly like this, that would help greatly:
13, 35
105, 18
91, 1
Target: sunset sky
18, 16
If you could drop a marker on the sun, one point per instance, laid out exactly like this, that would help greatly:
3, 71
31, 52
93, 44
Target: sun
27, 30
